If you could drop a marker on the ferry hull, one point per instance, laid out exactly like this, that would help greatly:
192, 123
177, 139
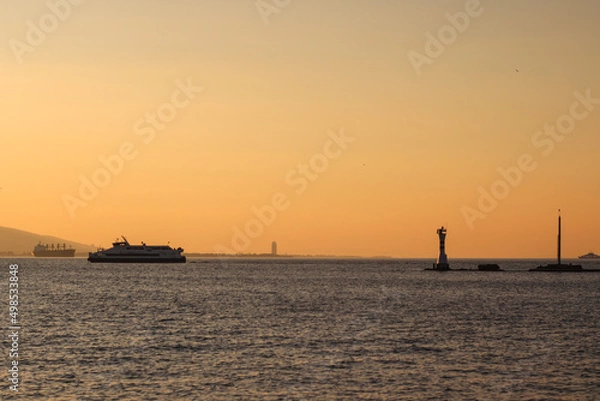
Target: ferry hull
117, 259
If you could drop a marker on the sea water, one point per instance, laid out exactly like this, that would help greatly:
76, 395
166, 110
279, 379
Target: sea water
304, 329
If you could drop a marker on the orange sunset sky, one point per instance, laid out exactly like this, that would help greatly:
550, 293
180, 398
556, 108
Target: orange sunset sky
210, 109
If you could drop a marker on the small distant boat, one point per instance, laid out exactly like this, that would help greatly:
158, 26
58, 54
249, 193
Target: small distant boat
124, 252
53, 251
590, 255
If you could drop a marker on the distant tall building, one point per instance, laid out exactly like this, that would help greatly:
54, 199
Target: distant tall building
274, 248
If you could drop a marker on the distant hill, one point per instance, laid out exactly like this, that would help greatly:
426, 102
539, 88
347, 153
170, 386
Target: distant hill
22, 242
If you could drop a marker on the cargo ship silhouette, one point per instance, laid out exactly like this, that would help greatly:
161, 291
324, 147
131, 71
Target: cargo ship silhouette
52, 251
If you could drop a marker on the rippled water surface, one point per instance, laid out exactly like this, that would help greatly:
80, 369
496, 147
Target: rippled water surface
292, 329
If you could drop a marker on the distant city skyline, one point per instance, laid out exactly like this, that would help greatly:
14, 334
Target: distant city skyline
333, 127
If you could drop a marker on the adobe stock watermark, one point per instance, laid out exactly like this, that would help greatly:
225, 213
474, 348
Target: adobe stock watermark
298, 180
146, 128
37, 32
543, 140
267, 8
447, 34
14, 326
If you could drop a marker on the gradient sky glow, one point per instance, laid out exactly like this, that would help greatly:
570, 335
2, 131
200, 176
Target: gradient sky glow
423, 144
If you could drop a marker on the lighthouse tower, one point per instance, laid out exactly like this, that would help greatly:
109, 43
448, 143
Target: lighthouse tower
442, 262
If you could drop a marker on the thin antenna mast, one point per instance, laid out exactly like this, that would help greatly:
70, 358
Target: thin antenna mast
559, 231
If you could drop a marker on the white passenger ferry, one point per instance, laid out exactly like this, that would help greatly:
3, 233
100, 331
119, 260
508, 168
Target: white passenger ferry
124, 252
